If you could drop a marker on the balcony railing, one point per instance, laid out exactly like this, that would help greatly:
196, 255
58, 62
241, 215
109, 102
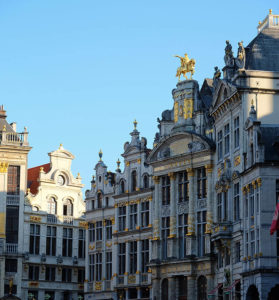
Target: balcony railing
68, 220
13, 200
107, 284
144, 277
11, 248
8, 138
120, 279
51, 219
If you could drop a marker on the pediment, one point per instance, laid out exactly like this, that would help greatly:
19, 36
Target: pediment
224, 90
179, 144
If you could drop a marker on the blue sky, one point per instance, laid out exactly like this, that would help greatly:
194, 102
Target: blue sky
79, 72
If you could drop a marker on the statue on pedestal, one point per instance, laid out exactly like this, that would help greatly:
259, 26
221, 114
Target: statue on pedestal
229, 60
186, 66
240, 60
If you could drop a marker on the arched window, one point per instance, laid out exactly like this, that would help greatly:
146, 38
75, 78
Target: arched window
51, 206
252, 293
99, 200
145, 181
165, 289
134, 180
35, 208
122, 187
202, 287
67, 208
274, 292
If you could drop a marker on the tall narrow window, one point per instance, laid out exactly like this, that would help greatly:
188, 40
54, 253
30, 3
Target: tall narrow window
225, 201
91, 231
34, 243
13, 187
183, 187
252, 203
219, 207
134, 180
12, 216
236, 132
81, 243
50, 273
98, 266
51, 241
51, 206
252, 239
201, 182
145, 181
133, 216
122, 187
67, 242
122, 218
165, 232
182, 231
108, 229
227, 138
91, 267
99, 230
236, 202
133, 257
33, 272
220, 144
66, 275
144, 255
122, 258
237, 252
201, 224
99, 200
67, 208
108, 265
145, 214
165, 190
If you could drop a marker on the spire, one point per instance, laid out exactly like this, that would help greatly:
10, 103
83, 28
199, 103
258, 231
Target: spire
253, 113
100, 155
135, 124
118, 166
135, 134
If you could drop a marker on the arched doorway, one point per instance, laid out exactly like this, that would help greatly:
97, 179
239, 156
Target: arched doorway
202, 287
252, 293
165, 289
237, 291
274, 292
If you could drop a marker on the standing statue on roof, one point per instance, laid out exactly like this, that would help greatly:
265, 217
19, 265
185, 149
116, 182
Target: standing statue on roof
240, 60
229, 60
216, 77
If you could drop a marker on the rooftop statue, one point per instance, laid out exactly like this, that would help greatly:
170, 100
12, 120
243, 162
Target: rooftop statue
186, 66
229, 61
240, 60
216, 76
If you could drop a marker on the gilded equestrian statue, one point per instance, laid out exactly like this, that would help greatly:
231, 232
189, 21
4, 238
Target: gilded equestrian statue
186, 66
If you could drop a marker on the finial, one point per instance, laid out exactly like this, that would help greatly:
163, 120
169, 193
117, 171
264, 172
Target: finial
260, 22
118, 163
270, 11
135, 124
4, 128
252, 102
100, 154
60, 146
41, 169
93, 177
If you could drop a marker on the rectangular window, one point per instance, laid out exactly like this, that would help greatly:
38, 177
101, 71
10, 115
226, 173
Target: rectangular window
145, 214
165, 232
225, 200
10, 265
34, 242
220, 144
236, 132
227, 138
122, 218
144, 255
12, 216
50, 273
81, 276
91, 267
252, 236
219, 207
133, 257
246, 204
66, 275
108, 265
99, 230
33, 272
251, 199
91, 232
201, 182
108, 229
236, 202
67, 247
201, 224
237, 252
51, 241
183, 187
98, 266
13, 187
133, 216
182, 231
81, 243
122, 258
165, 190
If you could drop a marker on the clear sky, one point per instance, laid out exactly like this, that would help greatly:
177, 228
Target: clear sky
79, 72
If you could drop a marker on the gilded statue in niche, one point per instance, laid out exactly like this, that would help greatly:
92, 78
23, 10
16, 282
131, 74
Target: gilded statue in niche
186, 66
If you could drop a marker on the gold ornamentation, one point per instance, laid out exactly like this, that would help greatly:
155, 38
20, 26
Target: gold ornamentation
132, 279
139, 160
244, 190
172, 236
172, 176
254, 184
190, 172
112, 221
4, 167
137, 189
126, 273
127, 163
186, 66
83, 224
33, 283
209, 168
138, 228
135, 124
91, 247
126, 191
175, 112
237, 160
219, 172
156, 179
270, 11
98, 286
35, 219
188, 108
259, 182
126, 229
149, 225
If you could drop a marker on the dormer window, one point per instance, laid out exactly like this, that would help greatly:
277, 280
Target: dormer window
134, 180
67, 208
99, 200
122, 187
145, 181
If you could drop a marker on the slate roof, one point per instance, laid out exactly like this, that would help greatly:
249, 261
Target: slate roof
263, 51
270, 138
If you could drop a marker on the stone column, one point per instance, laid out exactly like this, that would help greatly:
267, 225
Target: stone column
114, 263
191, 287
127, 217
116, 225
171, 289
209, 207
138, 261
156, 223
127, 265
191, 215
138, 293
138, 215
172, 236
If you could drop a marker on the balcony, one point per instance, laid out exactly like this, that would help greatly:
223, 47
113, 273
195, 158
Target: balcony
13, 200
222, 231
11, 248
68, 220
51, 219
120, 279
107, 285
14, 138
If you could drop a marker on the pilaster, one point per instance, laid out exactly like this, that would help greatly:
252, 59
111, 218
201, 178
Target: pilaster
172, 288
191, 287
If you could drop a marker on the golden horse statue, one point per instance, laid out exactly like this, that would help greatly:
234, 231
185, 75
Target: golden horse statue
187, 66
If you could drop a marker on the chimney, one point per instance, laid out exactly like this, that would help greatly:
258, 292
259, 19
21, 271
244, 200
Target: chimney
2, 112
